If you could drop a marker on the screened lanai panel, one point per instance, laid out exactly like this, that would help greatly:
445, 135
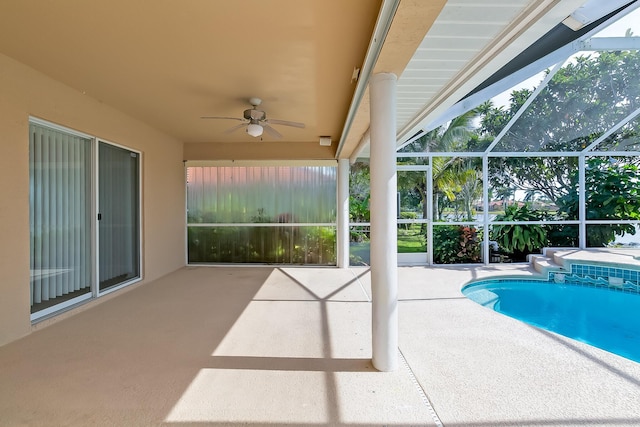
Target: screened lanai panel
626, 138
533, 188
457, 244
591, 93
457, 188
453, 137
279, 194
412, 194
612, 188
612, 236
261, 214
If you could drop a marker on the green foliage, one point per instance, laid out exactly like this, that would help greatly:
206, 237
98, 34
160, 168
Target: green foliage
359, 192
261, 217
561, 235
279, 245
455, 244
315, 245
582, 101
612, 190
453, 177
546, 175
520, 239
359, 208
359, 212
408, 215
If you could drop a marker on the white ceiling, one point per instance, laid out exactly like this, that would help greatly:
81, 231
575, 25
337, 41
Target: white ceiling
453, 41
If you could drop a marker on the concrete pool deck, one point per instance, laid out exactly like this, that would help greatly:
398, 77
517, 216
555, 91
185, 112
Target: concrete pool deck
266, 346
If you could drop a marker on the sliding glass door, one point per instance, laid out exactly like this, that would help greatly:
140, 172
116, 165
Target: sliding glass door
118, 216
84, 238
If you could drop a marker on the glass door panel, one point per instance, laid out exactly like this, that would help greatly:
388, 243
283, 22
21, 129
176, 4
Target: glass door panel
118, 215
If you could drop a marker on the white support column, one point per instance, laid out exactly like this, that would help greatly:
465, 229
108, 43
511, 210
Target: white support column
384, 259
343, 213
486, 253
430, 212
582, 202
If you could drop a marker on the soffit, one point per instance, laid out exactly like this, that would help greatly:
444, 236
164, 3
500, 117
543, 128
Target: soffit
412, 20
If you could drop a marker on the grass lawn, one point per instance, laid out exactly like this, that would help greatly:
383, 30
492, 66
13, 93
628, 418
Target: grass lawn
411, 240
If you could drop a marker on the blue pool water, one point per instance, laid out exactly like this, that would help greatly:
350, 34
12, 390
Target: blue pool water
604, 318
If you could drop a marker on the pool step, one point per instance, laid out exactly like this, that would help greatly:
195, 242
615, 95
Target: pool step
557, 254
544, 264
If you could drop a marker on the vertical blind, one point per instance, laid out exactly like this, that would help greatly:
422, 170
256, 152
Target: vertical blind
59, 213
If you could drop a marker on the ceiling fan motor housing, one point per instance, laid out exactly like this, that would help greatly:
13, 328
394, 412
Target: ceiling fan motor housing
253, 114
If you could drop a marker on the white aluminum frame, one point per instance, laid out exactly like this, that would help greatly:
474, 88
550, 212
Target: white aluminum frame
582, 222
556, 59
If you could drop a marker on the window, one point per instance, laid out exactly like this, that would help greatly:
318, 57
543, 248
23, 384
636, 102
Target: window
262, 214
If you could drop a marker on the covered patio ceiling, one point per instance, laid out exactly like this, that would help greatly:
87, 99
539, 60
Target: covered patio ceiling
309, 61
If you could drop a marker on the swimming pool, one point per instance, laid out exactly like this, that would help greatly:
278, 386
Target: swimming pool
605, 318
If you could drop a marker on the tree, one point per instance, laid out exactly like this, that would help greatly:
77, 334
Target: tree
469, 188
504, 194
359, 192
582, 101
448, 173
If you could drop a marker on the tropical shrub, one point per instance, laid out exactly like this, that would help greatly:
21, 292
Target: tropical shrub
520, 239
456, 244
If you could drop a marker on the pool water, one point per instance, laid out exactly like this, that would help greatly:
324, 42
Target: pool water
607, 319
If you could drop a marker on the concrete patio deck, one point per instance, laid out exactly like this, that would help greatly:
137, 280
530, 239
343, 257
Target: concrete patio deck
265, 346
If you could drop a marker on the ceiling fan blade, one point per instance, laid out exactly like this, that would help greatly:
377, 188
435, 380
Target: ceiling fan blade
285, 123
225, 118
235, 128
271, 131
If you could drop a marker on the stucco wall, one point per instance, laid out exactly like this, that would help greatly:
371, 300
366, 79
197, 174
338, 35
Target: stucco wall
26, 92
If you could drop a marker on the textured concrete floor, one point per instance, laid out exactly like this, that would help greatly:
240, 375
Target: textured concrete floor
264, 346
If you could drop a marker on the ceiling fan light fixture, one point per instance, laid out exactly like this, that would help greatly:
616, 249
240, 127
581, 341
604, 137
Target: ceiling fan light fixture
254, 130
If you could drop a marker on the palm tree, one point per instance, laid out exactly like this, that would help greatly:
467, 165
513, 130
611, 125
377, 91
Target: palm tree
448, 173
470, 188
504, 194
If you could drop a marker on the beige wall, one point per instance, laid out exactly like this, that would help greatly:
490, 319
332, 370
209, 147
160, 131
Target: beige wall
27, 92
255, 150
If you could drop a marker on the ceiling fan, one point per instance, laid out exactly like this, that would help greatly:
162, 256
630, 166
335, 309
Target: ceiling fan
256, 121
